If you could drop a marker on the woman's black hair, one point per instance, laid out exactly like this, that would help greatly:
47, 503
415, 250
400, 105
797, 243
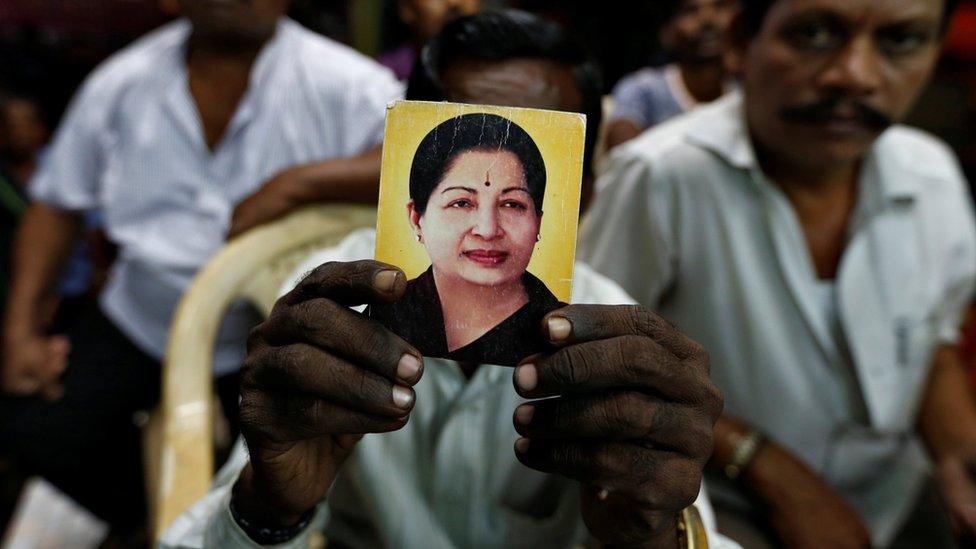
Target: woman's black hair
504, 34
473, 132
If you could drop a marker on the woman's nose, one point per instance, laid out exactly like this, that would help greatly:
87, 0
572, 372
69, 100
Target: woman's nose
487, 225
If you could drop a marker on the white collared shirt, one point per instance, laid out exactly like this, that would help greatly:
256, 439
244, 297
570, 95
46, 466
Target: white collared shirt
132, 147
686, 222
448, 479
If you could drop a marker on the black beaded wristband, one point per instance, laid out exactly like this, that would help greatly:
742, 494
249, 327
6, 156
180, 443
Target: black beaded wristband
264, 535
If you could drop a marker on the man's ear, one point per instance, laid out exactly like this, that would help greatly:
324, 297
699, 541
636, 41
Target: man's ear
414, 217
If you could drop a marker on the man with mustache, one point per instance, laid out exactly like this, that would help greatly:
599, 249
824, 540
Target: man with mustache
695, 35
823, 255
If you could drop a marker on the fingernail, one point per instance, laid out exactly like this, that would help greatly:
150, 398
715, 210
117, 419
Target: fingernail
384, 281
559, 328
522, 445
526, 377
402, 397
408, 369
524, 413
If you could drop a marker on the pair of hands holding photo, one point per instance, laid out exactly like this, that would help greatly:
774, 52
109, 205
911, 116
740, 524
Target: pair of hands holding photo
632, 421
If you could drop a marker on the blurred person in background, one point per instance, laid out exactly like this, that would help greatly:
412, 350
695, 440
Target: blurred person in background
455, 480
424, 18
823, 254
210, 125
23, 135
695, 35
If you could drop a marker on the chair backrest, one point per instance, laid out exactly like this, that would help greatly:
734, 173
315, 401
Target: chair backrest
179, 437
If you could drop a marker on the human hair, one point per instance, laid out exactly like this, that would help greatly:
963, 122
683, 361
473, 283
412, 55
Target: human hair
754, 13
473, 132
503, 35
668, 9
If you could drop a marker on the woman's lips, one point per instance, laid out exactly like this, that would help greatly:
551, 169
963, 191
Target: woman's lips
486, 257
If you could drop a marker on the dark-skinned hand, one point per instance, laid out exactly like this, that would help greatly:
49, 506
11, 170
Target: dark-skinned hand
318, 376
631, 419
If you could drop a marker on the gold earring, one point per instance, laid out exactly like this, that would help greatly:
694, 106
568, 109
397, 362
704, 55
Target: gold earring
538, 237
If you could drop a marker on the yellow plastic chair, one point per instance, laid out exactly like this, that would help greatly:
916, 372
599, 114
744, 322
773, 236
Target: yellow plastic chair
178, 438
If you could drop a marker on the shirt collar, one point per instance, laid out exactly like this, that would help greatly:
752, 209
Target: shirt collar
724, 132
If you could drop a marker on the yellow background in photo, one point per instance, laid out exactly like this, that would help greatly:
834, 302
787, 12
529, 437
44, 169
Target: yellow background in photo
560, 138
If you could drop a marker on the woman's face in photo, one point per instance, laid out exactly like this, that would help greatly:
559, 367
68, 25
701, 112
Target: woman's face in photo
481, 223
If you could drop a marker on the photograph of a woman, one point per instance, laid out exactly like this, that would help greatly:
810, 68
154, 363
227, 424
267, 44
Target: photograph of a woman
477, 183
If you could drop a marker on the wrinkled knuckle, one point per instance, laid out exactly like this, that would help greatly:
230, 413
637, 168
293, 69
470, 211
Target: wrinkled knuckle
628, 354
699, 440
607, 461
376, 341
257, 337
698, 356
254, 362
567, 454
254, 418
640, 320
714, 400
571, 371
632, 414
325, 272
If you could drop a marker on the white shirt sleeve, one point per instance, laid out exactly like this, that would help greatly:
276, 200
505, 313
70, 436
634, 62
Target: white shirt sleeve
626, 234
70, 176
368, 108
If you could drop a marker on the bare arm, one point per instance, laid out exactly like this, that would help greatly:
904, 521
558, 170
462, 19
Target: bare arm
802, 509
353, 179
44, 242
947, 421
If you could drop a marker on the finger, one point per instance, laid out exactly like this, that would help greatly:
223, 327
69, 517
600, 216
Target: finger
579, 323
624, 362
283, 417
303, 369
657, 478
350, 284
353, 337
622, 416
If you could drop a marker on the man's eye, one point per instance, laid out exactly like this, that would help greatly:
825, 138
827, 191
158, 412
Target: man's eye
903, 41
815, 36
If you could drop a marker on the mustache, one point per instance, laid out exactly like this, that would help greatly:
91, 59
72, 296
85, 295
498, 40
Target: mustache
825, 110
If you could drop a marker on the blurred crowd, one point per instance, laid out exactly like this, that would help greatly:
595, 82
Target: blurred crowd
138, 137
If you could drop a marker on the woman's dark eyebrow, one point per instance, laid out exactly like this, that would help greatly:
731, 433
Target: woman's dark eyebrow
510, 189
456, 188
